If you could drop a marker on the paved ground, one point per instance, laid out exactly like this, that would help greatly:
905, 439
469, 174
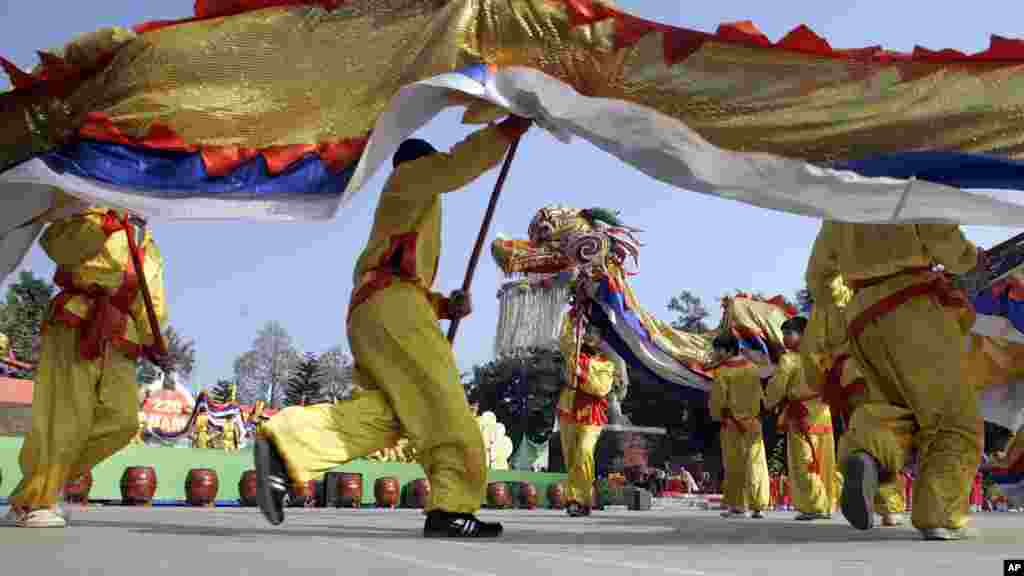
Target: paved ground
114, 541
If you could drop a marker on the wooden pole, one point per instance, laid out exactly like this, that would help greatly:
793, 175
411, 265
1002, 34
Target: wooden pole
453, 327
147, 298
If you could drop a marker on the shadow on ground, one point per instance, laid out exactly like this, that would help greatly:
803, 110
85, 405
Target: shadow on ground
655, 531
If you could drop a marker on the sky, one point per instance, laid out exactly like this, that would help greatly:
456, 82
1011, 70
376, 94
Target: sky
225, 280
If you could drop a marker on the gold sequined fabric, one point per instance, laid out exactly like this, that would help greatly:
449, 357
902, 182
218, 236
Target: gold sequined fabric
306, 74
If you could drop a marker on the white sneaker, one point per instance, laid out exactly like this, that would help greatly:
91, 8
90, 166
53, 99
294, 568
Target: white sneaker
42, 518
894, 519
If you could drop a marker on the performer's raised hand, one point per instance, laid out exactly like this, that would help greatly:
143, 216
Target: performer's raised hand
460, 304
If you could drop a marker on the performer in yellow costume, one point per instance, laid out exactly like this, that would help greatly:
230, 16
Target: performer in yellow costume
85, 398
407, 380
845, 378
906, 335
825, 350
5, 354
582, 413
201, 433
735, 401
807, 420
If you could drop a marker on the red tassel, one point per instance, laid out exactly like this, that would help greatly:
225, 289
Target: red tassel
679, 44
744, 32
803, 39
630, 29
583, 12
1001, 48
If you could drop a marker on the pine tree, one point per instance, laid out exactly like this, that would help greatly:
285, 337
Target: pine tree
305, 385
27, 303
777, 456
222, 391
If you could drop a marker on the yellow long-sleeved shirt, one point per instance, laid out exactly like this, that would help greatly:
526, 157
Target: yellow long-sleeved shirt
737, 386
408, 215
864, 251
92, 256
789, 383
594, 377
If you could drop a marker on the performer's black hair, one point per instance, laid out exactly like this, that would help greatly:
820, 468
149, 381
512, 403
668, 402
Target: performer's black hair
795, 324
727, 343
412, 149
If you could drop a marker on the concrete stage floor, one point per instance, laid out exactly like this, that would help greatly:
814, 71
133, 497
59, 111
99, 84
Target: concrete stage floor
115, 541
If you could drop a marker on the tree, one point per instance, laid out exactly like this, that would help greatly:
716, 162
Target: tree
690, 313
223, 391
305, 386
336, 369
522, 391
180, 351
263, 371
22, 315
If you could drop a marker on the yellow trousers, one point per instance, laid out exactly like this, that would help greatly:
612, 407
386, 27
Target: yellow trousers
578, 443
747, 484
890, 498
82, 413
812, 492
410, 384
912, 359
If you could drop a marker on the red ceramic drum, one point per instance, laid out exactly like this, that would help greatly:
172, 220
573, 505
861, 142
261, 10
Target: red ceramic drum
138, 485
349, 490
304, 497
201, 487
527, 496
417, 493
497, 495
77, 490
247, 488
556, 496
386, 491
312, 494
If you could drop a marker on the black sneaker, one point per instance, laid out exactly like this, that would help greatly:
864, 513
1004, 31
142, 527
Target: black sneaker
271, 481
441, 524
860, 485
575, 510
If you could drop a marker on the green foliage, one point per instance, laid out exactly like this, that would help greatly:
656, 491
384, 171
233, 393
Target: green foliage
22, 315
182, 355
337, 370
306, 383
690, 313
223, 391
494, 384
777, 456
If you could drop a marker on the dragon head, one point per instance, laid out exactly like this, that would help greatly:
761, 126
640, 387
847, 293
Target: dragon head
563, 239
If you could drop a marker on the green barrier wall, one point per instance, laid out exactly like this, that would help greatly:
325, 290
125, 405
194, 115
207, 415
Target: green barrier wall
172, 466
